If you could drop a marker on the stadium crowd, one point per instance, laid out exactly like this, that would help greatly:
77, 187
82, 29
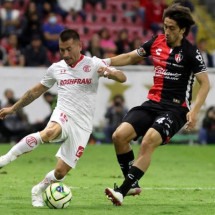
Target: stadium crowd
29, 29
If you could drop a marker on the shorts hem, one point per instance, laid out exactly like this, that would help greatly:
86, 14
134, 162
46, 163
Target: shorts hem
66, 161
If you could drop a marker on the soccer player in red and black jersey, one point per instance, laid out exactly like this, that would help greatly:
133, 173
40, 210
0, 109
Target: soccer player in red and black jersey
168, 108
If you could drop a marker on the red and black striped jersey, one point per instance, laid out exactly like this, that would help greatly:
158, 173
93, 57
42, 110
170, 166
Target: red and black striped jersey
174, 70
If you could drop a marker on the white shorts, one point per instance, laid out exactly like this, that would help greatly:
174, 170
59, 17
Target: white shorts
73, 138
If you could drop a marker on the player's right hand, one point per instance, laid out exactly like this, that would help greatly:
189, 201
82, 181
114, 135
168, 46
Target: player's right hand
5, 111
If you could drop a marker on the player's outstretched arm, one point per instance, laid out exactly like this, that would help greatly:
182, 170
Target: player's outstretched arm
125, 59
25, 100
112, 73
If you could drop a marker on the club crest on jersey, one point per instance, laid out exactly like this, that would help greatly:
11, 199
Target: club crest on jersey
62, 71
178, 57
87, 68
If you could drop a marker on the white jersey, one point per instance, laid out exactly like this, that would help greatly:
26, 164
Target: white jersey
77, 87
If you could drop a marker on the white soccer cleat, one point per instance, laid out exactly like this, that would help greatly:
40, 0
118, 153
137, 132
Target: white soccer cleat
134, 191
6, 159
115, 196
37, 197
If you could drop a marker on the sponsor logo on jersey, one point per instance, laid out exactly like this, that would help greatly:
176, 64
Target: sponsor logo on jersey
79, 151
178, 57
31, 141
76, 81
158, 51
87, 68
161, 72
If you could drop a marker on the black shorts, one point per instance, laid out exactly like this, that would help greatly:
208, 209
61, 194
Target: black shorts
165, 119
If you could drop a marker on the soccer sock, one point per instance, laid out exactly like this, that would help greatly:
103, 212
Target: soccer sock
49, 178
133, 176
125, 161
26, 144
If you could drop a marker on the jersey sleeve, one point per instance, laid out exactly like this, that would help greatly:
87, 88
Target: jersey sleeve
145, 49
197, 61
48, 79
102, 63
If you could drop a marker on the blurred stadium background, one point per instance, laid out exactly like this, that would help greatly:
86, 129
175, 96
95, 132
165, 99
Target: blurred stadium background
107, 28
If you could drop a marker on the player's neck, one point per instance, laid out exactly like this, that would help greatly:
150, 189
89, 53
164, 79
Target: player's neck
79, 59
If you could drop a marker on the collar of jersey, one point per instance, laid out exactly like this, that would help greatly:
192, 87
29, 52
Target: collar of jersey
81, 57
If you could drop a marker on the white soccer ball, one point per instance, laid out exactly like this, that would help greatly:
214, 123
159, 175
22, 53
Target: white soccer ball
57, 195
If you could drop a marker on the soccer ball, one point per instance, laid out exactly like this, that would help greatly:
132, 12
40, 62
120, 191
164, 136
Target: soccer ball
57, 195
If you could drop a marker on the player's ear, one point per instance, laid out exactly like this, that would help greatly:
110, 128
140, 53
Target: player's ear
183, 30
80, 45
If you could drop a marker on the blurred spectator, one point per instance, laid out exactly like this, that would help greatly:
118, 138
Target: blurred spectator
94, 48
122, 42
93, 3
16, 125
51, 100
31, 9
14, 56
107, 43
207, 131
35, 54
3, 56
67, 5
142, 9
208, 58
154, 15
10, 18
186, 3
31, 25
51, 30
45, 7
138, 10
114, 116
135, 44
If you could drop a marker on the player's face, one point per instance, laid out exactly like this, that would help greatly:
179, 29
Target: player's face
70, 51
173, 33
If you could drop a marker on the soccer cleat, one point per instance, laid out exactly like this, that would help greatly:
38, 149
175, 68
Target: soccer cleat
135, 190
37, 198
115, 196
6, 159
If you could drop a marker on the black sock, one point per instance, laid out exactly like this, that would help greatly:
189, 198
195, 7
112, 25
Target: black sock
133, 176
125, 161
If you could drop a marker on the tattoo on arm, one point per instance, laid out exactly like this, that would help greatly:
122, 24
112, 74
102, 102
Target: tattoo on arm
26, 99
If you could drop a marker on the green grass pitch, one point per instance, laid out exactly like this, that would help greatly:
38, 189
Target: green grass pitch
180, 180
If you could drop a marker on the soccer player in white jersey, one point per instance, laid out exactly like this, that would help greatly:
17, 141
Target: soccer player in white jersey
77, 78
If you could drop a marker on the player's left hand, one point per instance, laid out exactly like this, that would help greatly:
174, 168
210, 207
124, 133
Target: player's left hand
104, 72
5, 111
191, 120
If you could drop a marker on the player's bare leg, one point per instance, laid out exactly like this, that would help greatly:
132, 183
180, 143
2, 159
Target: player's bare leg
56, 175
151, 140
27, 144
31, 142
125, 156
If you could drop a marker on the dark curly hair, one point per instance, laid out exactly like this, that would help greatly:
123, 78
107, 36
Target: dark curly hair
181, 15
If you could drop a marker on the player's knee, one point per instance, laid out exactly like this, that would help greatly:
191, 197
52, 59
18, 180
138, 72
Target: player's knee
149, 143
117, 137
48, 134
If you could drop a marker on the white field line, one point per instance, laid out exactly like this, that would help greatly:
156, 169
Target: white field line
179, 188
164, 188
